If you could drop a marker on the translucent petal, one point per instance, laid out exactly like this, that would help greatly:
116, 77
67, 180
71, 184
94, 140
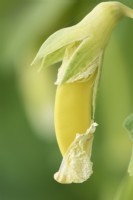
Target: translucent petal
86, 56
58, 40
76, 166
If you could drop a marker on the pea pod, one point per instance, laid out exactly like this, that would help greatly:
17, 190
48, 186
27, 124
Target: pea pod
81, 49
72, 111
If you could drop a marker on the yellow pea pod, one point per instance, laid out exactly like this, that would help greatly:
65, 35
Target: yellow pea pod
81, 49
72, 111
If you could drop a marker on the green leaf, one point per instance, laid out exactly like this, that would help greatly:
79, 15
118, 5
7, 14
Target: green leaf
130, 167
128, 123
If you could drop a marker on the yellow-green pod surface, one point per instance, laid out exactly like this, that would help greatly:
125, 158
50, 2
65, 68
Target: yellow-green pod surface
72, 111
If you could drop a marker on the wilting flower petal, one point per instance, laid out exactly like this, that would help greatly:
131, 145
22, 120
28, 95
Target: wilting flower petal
76, 166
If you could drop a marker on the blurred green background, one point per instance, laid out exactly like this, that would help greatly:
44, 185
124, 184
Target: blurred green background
29, 154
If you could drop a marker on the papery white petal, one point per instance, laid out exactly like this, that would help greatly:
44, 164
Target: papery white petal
76, 166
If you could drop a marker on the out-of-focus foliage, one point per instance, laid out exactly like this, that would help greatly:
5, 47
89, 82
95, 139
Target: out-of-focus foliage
28, 151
